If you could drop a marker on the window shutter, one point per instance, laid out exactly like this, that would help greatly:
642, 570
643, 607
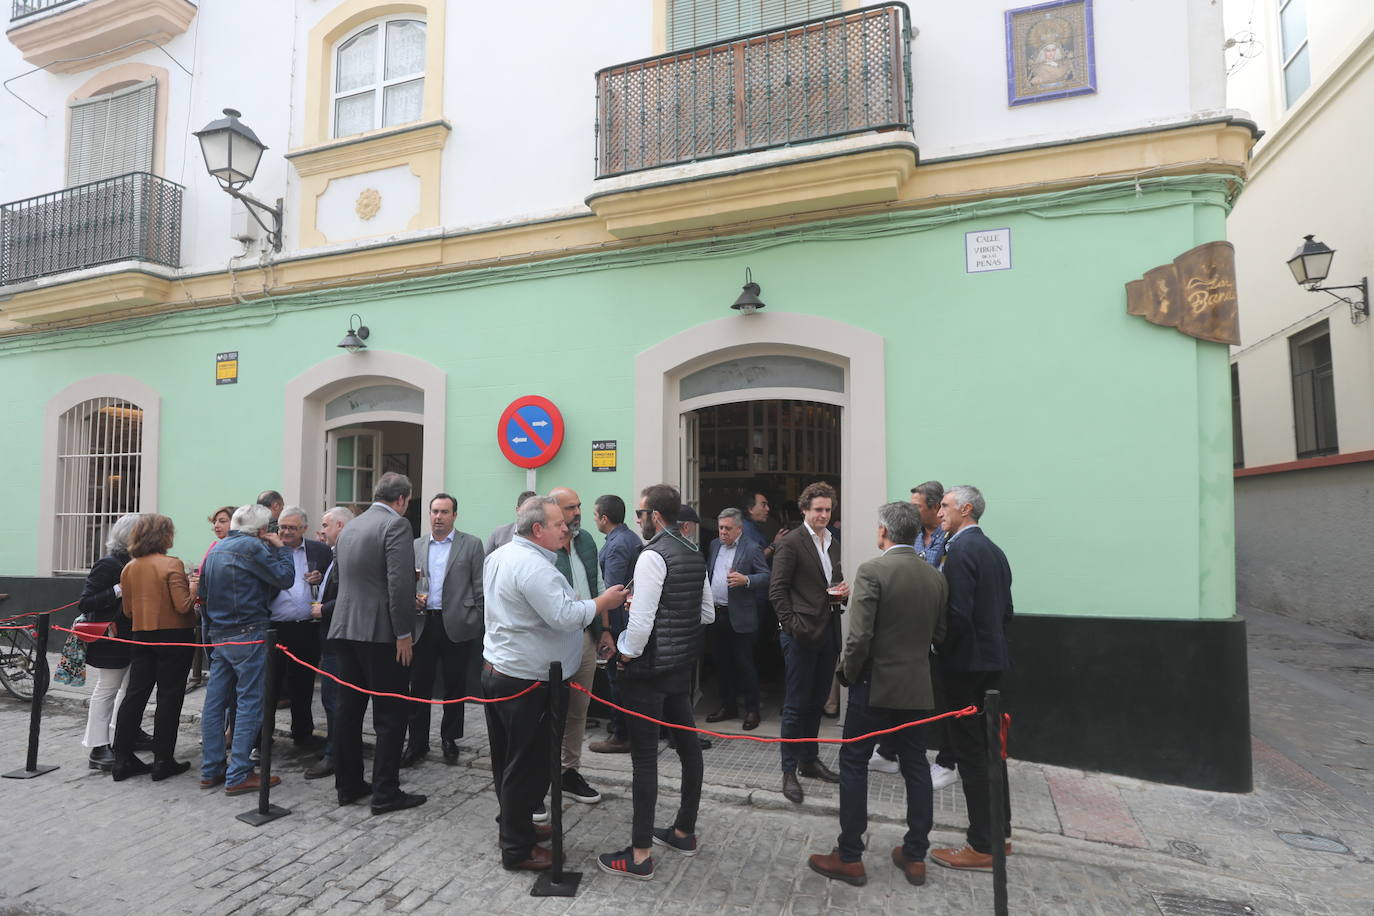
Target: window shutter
112, 134
697, 22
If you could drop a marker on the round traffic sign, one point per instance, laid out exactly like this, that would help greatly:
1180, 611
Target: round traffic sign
530, 431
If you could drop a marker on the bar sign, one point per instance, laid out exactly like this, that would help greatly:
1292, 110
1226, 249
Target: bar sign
227, 368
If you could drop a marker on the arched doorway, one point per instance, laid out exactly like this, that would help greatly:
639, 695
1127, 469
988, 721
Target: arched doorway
351, 418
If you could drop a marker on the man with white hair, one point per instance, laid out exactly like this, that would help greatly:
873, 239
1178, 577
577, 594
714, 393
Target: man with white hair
331, 523
236, 580
296, 627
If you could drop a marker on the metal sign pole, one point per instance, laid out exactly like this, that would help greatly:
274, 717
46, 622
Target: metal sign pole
267, 812
556, 882
992, 716
40, 689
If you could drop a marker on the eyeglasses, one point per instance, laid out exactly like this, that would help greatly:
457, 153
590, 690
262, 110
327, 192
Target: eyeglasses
290, 527
640, 513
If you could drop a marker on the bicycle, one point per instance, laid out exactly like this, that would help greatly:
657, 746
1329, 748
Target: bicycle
21, 668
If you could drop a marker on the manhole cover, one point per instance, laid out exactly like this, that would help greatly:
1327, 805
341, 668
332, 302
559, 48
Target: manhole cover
1313, 843
1188, 905
1185, 849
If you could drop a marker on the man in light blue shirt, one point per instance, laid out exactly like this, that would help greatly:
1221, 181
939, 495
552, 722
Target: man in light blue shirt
533, 618
296, 627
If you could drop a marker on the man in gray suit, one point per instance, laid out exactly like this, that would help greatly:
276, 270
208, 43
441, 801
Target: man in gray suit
896, 611
449, 618
502, 536
374, 622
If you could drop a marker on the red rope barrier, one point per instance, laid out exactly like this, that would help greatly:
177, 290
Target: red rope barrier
38, 613
402, 696
18, 626
188, 645
952, 714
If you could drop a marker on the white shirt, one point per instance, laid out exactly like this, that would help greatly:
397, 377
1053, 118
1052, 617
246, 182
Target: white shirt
438, 566
823, 549
720, 578
533, 618
650, 571
959, 532
294, 602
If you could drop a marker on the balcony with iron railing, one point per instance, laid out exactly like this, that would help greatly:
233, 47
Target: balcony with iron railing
133, 217
834, 76
67, 36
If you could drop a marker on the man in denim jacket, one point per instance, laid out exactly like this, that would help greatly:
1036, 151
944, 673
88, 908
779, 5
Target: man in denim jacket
236, 581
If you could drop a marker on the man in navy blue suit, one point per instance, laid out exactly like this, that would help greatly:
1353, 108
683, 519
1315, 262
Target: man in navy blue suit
972, 658
738, 574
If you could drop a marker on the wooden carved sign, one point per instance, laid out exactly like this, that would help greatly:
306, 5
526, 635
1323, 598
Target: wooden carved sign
1196, 294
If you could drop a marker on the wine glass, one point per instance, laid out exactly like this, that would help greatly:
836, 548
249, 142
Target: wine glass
422, 589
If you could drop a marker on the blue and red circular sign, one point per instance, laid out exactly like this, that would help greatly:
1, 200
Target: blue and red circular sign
530, 431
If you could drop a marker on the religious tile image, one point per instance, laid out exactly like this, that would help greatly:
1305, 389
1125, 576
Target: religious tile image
1050, 51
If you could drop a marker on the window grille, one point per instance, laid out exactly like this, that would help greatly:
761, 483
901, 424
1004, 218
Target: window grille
99, 478
699, 22
112, 134
379, 77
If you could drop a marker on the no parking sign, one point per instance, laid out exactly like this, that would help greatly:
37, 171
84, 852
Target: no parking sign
530, 431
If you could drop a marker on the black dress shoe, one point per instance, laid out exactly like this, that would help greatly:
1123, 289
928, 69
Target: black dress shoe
817, 770
349, 796
413, 754
102, 758
751, 720
791, 789
725, 712
125, 767
143, 741
450, 749
400, 803
165, 769
322, 768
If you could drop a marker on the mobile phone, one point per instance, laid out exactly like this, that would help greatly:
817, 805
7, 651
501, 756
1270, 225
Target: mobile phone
630, 586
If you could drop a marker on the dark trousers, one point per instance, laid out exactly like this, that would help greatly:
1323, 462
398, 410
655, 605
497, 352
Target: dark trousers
666, 696
733, 652
520, 736
860, 719
937, 732
297, 682
808, 674
616, 726
433, 652
969, 737
163, 667
329, 691
372, 665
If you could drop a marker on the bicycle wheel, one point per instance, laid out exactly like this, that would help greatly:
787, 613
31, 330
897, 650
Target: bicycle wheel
20, 666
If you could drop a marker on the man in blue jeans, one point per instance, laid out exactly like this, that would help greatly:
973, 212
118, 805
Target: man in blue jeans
236, 580
896, 612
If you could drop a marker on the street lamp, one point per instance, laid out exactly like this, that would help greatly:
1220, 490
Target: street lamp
232, 153
1312, 262
749, 301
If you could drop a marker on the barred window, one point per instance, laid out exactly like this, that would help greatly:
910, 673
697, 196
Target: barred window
99, 478
699, 22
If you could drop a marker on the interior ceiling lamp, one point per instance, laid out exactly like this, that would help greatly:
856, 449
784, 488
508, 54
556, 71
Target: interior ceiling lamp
232, 153
1312, 262
749, 302
353, 340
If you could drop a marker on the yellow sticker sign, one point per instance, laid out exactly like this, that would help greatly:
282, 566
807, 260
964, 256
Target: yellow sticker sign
227, 368
603, 455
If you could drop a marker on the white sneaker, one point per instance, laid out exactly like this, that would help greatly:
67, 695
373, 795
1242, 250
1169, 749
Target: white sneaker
880, 764
940, 777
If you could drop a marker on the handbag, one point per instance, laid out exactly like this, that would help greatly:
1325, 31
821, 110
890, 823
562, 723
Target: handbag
71, 669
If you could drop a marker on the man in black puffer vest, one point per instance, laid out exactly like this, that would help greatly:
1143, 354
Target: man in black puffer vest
670, 602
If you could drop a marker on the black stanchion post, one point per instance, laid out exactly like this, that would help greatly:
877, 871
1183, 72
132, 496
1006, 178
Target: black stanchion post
40, 690
997, 803
556, 882
266, 812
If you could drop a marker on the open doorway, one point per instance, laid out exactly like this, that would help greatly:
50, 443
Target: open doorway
358, 453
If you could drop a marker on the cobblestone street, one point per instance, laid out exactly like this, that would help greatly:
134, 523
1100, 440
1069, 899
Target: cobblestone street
1084, 843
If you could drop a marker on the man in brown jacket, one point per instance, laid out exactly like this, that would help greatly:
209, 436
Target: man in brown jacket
896, 612
806, 589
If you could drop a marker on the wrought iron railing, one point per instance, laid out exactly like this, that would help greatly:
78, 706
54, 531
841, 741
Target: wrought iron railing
21, 8
828, 77
130, 217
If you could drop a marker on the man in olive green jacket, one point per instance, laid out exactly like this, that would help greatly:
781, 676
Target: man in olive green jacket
896, 611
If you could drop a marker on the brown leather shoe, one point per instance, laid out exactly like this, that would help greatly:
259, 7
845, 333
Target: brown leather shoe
251, 783
543, 833
965, 858
791, 789
830, 866
540, 860
915, 871
212, 781
610, 745
751, 720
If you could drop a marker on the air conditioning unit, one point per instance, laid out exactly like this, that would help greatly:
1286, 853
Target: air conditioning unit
242, 226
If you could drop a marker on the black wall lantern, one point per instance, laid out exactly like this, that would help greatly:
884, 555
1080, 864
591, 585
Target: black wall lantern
353, 340
749, 301
1312, 262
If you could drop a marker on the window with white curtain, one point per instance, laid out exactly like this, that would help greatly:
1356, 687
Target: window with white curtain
99, 478
112, 133
379, 76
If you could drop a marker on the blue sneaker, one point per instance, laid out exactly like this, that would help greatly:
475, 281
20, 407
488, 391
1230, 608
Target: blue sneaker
623, 863
667, 836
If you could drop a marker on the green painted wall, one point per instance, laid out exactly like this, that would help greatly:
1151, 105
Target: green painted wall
1100, 441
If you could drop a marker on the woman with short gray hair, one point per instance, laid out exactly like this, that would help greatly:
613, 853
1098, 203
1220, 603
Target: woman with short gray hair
101, 601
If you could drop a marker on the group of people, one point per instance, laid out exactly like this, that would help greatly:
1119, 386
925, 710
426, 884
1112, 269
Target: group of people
387, 612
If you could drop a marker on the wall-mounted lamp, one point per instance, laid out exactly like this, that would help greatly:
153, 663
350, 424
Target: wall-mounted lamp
1312, 262
749, 302
232, 153
353, 340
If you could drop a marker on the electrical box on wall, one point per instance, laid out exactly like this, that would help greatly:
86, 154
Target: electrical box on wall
242, 226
